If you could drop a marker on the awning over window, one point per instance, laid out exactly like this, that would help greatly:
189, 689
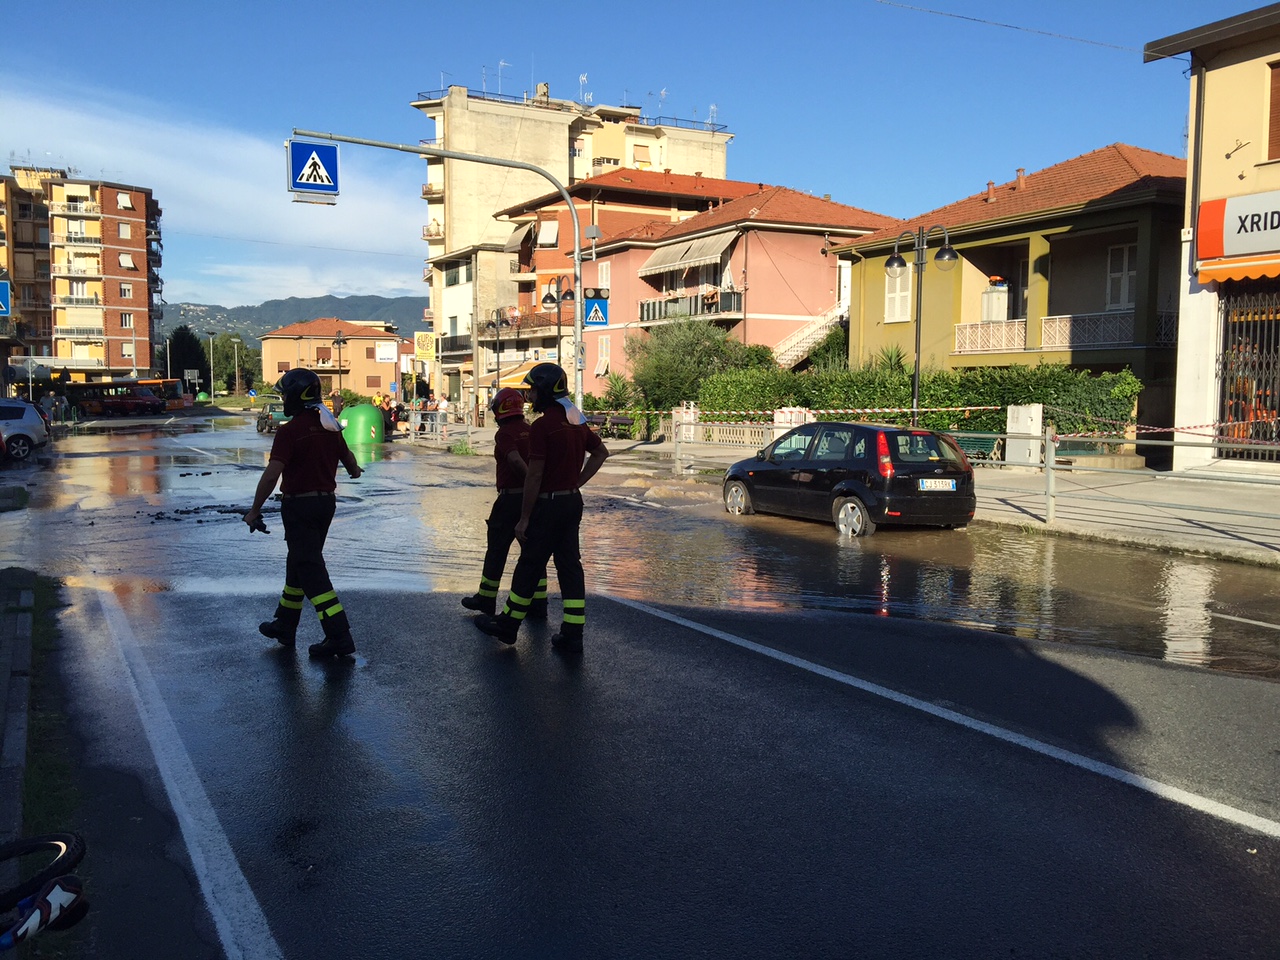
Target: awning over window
1238, 268
664, 259
514, 376
548, 233
126, 261
517, 239
695, 253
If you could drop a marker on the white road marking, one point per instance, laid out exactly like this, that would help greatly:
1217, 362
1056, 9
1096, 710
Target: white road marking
1165, 791
242, 926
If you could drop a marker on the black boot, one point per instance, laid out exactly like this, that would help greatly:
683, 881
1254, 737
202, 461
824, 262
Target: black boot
338, 645
568, 639
481, 604
537, 610
281, 631
502, 627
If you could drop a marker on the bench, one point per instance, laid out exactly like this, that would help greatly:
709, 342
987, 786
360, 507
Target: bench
982, 446
610, 424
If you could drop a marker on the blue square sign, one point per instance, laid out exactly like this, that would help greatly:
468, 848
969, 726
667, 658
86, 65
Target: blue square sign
4, 298
313, 167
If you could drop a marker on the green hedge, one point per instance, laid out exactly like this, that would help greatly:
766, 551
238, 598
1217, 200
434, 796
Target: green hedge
1075, 400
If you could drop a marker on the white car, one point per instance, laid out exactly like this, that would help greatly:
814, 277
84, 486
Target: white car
22, 427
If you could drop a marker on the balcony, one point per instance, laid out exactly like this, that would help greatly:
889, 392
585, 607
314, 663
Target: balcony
8, 329
432, 191
694, 305
991, 336
428, 275
76, 270
458, 344
76, 240
94, 301
525, 326
522, 273
67, 332
80, 208
433, 232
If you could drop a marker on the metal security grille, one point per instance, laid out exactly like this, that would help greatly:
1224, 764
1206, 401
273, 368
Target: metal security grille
1249, 370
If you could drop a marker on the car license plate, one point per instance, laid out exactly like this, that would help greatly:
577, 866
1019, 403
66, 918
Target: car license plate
935, 484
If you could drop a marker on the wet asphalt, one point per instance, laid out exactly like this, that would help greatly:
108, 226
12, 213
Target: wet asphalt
738, 766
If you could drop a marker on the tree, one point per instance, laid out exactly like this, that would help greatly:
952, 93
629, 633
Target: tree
831, 353
669, 364
187, 354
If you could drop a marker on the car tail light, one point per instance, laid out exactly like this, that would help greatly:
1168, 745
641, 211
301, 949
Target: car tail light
882, 455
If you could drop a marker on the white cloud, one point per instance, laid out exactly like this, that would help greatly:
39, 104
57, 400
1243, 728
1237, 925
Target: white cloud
231, 233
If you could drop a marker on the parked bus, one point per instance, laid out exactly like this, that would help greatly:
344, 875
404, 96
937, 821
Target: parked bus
110, 398
170, 391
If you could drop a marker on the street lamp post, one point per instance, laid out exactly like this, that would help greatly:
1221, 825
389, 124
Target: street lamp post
562, 295
340, 341
896, 266
211, 336
235, 342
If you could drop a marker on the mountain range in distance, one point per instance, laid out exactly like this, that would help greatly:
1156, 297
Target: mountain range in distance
252, 322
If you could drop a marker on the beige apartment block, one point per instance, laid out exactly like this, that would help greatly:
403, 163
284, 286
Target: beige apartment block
1228, 366
467, 265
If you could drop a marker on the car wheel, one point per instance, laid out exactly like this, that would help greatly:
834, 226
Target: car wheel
736, 498
261, 427
19, 447
851, 518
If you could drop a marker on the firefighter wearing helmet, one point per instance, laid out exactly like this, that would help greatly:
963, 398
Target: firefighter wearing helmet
551, 510
304, 458
511, 453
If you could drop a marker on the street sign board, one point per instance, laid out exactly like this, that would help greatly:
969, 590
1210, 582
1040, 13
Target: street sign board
313, 168
4, 298
597, 313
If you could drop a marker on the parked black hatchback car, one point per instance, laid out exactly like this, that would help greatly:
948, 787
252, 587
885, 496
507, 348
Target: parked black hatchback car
858, 476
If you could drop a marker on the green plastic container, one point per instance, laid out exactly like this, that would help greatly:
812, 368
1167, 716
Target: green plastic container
202, 397
361, 424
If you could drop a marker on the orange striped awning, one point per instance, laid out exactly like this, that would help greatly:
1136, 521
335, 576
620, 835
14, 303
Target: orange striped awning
1238, 268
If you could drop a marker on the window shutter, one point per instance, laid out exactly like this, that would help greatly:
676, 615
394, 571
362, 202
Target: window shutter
1273, 125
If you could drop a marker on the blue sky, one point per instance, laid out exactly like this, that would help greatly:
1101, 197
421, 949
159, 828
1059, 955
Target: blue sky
882, 105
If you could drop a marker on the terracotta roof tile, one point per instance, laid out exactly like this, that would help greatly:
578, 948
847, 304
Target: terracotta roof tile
329, 327
782, 205
1106, 174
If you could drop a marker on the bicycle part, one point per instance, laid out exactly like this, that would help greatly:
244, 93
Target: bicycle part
67, 850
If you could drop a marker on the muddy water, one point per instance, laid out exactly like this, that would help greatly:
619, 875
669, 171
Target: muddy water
164, 507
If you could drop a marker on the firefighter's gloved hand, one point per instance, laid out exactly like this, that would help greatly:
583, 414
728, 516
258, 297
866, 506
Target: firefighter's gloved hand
254, 519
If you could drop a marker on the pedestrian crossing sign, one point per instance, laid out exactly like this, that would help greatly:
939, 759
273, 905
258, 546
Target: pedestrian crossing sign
597, 313
313, 170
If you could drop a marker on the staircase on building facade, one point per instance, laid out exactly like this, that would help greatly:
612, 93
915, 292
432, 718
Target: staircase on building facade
796, 346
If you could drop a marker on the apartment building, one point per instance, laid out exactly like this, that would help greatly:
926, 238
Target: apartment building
360, 355
468, 265
85, 260
24, 258
1228, 375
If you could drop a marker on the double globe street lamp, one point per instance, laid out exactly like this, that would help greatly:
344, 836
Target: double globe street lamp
896, 266
340, 341
563, 294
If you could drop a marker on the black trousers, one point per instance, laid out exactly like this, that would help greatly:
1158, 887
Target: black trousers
306, 527
501, 533
552, 535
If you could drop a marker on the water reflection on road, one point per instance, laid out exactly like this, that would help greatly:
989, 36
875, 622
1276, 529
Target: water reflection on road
164, 506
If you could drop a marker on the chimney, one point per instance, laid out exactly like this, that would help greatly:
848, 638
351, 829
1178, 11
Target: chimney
991, 191
826, 196
1022, 178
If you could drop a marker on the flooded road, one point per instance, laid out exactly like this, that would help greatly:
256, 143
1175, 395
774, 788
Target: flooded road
164, 505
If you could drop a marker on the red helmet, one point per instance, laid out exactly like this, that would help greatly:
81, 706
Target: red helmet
506, 403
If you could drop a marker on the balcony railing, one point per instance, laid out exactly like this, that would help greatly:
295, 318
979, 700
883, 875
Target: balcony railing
991, 336
8, 328
78, 333
695, 305
526, 325
433, 232
76, 270
432, 191
94, 301
458, 344
77, 239
83, 208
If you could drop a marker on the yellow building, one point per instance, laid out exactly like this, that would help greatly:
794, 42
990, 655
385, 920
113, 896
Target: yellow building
1228, 377
361, 356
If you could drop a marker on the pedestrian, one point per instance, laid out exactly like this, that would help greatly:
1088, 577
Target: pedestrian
335, 401
304, 459
511, 453
551, 510
49, 403
443, 413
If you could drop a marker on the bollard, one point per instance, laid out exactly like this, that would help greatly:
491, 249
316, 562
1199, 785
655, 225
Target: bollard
1050, 455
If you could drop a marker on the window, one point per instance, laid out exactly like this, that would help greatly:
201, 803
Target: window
126, 291
897, 298
324, 355
373, 383
282, 366
793, 446
126, 321
79, 290
602, 364
126, 231
451, 275
603, 270
126, 350
548, 233
124, 201
126, 261
1122, 276
641, 152
1273, 125
369, 353
578, 147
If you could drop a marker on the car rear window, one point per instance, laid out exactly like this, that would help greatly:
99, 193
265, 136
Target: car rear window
921, 447
10, 412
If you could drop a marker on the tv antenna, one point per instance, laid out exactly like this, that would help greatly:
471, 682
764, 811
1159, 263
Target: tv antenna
582, 82
501, 64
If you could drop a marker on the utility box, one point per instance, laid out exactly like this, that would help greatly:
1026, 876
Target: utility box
362, 424
995, 303
1025, 427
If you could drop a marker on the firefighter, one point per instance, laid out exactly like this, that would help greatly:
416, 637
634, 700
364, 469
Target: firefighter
551, 510
511, 453
304, 458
